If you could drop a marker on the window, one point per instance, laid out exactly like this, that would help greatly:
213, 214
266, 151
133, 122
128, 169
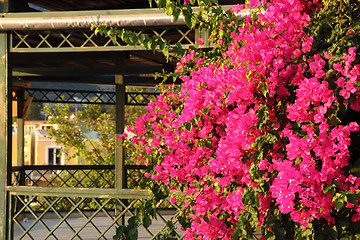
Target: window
54, 156
29, 130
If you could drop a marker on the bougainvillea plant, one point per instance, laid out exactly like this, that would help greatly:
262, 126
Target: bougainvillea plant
261, 136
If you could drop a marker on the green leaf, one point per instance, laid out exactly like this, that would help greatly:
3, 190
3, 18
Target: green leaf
327, 188
206, 218
184, 222
169, 8
194, 21
141, 38
132, 234
188, 126
170, 224
306, 233
271, 138
331, 231
332, 191
113, 38
153, 46
208, 144
176, 13
119, 232
165, 51
279, 233
148, 44
270, 236
187, 18
162, 46
160, 3
132, 220
340, 199
338, 204
149, 208
97, 30
236, 234
147, 221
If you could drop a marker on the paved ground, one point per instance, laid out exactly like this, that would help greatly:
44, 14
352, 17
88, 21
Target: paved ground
39, 232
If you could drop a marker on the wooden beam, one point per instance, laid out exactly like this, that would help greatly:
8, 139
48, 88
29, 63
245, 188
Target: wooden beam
83, 71
27, 105
58, 58
79, 49
79, 192
18, 83
157, 57
62, 71
101, 80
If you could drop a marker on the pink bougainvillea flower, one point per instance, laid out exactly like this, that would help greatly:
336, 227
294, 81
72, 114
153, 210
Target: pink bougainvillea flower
237, 8
351, 32
327, 56
337, 66
200, 41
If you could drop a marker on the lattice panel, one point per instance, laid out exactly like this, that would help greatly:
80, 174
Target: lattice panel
88, 176
30, 220
140, 99
48, 222
80, 39
134, 174
68, 96
96, 178
88, 97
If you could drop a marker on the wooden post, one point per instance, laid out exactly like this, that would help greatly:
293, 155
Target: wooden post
20, 149
120, 122
120, 175
204, 34
4, 129
20, 136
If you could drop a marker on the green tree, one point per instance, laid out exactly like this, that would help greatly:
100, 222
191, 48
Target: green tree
90, 133
131, 113
90, 130
35, 112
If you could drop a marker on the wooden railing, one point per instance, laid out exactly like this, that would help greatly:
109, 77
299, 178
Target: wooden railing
77, 222
80, 202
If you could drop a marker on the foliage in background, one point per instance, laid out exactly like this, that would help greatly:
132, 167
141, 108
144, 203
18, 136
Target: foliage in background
35, 112
90, 130
90, 133
257, 136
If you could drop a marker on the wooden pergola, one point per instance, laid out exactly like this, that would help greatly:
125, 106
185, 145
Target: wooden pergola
47, 41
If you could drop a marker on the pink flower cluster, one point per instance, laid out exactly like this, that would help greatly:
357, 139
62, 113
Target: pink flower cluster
259, 116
